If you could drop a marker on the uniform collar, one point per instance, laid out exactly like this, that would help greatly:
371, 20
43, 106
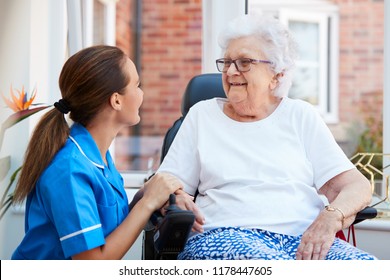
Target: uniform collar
83, 140
81, 137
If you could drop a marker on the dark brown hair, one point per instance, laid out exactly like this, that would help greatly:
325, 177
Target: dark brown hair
87, 80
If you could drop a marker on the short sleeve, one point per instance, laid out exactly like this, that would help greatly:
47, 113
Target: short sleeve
324, 153
182, 158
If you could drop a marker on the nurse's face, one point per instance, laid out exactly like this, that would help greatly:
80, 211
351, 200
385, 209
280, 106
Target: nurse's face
132, 96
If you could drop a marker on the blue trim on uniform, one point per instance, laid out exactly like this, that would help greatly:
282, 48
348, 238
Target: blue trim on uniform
77, 202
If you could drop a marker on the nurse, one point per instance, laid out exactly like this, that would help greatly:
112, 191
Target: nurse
76, 205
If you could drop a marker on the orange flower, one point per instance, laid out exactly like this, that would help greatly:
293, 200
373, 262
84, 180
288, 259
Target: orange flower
20, 102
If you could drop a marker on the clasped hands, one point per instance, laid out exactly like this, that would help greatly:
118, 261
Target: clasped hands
186, 202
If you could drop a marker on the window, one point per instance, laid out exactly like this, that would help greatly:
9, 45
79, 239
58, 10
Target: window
91, 22
101, 29
315, 30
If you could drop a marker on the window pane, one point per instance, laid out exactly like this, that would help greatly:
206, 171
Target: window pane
307, 36
306, 80
98, 23
305, 84
138, 152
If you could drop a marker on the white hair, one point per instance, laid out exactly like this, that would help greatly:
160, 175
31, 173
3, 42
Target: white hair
277, 44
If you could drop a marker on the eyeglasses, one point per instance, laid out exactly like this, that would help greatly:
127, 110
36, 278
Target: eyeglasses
242, 64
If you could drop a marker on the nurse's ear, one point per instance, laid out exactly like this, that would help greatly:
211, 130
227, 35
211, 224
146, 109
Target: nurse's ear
116, 101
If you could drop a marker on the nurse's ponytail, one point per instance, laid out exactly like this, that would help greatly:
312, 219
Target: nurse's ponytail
48, 137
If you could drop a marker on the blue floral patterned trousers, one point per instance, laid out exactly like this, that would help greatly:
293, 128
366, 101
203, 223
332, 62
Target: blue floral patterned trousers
245, 244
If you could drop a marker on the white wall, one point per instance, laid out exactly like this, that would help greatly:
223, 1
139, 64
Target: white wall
14, 69
32, 51
386, 86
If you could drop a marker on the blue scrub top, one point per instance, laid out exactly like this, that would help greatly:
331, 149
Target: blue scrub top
77, 202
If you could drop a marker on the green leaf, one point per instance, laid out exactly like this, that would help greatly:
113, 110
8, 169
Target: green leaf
21, 115
5, 165
2, 130
5, 204
18, 117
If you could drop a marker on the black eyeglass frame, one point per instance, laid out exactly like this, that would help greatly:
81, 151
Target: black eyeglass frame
251, 60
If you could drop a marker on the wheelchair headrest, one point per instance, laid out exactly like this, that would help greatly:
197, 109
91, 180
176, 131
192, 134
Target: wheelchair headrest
202, 87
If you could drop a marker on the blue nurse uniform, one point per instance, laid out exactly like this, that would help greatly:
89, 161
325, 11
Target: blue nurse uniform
77, 202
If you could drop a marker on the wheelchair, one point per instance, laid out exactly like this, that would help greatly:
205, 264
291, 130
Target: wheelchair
164, 237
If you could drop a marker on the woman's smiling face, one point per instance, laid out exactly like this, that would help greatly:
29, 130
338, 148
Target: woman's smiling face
248, 91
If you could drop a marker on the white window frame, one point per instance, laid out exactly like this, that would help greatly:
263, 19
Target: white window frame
386, 84
216, 14
81, 23
328, 58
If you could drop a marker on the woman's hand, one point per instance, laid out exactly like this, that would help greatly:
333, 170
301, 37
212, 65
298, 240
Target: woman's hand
349, 191
318, 238
186, 202
159, 187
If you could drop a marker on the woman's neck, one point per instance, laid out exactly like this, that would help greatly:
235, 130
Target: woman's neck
103, 135
240, 114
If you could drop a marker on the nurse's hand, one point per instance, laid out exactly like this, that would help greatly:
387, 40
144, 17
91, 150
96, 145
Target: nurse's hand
158, 189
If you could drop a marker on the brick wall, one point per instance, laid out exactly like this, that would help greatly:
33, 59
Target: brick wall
361, 54
360, 70
125, 26
171, 54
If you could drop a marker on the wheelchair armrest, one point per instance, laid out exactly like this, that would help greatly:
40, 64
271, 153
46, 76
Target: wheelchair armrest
367, 213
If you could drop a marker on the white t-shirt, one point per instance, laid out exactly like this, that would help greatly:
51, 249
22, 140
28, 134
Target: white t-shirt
263, 174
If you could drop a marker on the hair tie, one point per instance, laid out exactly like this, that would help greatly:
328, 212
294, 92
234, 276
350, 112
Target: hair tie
62, 106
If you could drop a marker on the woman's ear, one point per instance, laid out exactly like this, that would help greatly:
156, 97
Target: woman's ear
115, 101
275, 80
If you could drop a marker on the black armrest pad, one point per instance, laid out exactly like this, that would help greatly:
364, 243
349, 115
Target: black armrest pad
366, 213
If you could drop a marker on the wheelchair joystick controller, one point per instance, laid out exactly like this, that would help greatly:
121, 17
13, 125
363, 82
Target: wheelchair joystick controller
172, 204
173, 229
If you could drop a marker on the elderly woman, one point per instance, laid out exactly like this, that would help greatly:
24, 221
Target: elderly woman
272, 181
